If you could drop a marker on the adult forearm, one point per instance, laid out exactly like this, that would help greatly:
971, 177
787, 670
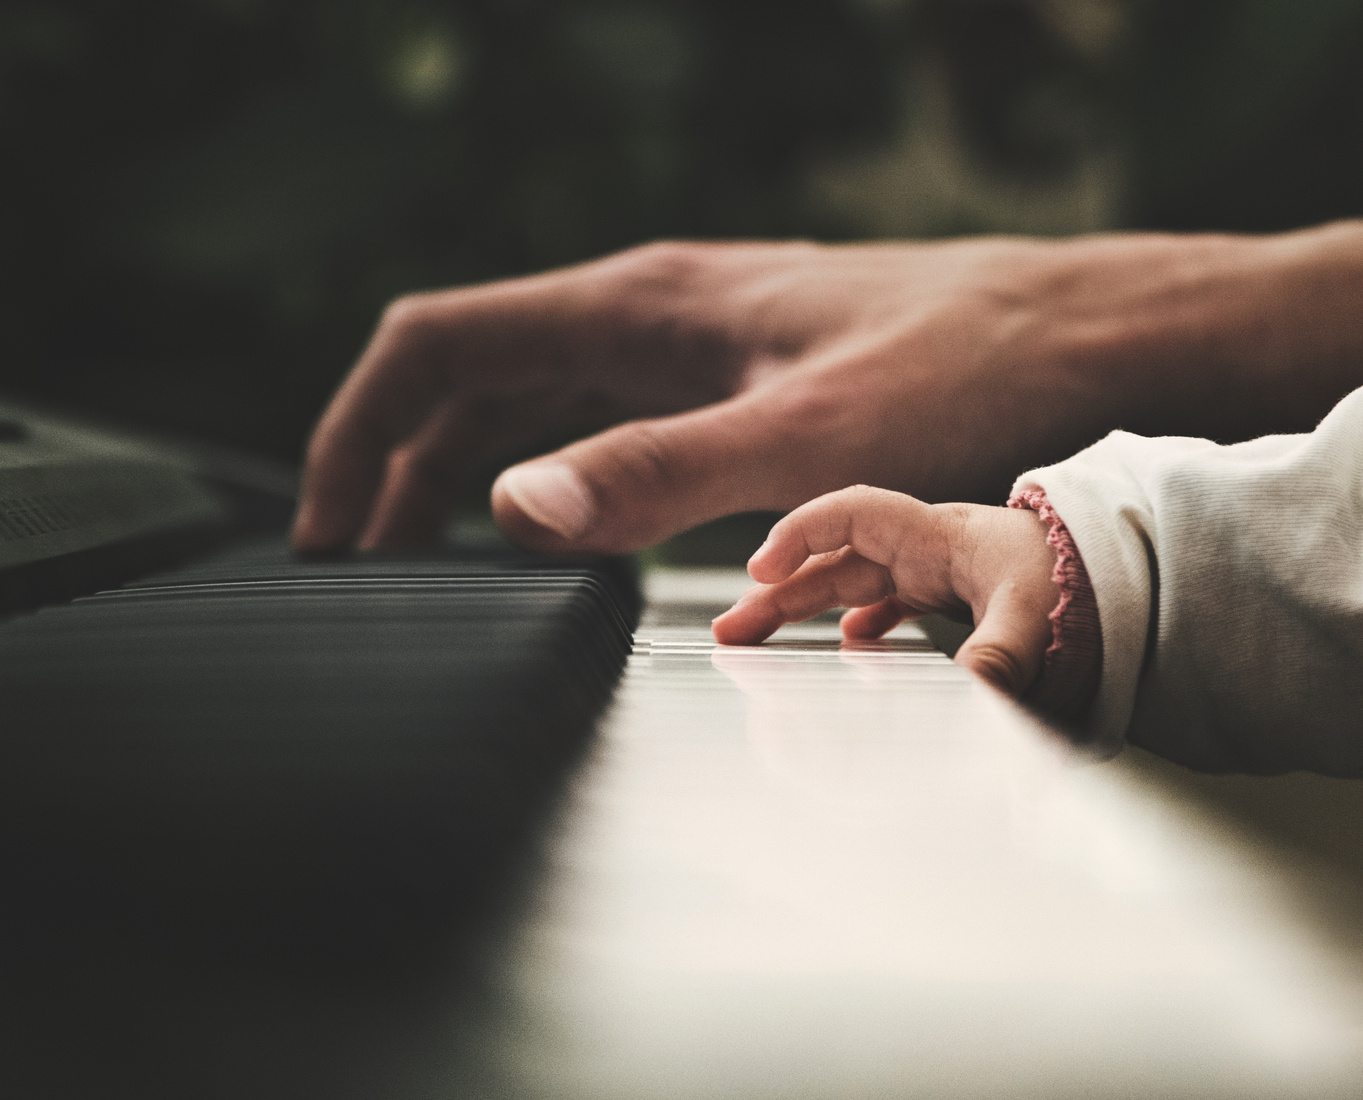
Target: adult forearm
758, 376
1228, 337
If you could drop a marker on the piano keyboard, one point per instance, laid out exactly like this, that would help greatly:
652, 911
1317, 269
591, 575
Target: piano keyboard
806, 870
799, 870
311, 740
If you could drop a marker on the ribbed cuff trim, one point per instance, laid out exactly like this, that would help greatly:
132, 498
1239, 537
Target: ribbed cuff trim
1073, 665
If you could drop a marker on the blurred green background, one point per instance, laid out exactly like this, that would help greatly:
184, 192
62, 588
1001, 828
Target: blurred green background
207, 202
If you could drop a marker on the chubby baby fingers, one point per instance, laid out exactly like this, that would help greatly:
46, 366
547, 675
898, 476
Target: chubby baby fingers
864, 624
842, 579
880, 525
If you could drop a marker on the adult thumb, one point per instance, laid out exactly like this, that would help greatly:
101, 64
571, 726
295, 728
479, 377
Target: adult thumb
643, 481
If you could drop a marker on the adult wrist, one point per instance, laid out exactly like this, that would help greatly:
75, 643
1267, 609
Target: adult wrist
1212, 335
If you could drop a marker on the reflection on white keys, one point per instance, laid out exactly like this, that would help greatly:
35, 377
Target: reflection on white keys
804, 871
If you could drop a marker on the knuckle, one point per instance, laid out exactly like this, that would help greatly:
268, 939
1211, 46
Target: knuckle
794, 603
811, 411
870, 516
862, 495
664, 265
645, 456
856, 591
416, 464
409, 321
402, 313
854, 505
783, 604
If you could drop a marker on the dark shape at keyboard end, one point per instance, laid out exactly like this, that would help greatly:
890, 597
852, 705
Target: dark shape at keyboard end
326, 755
330, 757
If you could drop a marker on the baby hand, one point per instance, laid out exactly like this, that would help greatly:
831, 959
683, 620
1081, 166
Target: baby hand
890, 557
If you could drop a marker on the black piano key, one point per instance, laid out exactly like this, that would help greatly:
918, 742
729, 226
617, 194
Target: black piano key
305, 744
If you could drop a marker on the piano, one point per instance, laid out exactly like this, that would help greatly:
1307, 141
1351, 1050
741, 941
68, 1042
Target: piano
478, 824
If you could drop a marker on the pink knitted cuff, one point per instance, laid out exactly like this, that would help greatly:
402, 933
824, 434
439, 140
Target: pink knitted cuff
1074, 660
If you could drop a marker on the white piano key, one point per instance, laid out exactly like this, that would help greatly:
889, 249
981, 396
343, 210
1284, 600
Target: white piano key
804, 871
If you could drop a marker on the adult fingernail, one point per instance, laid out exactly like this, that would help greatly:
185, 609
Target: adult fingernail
552, 495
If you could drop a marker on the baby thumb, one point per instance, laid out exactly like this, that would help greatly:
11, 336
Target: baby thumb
1008, 645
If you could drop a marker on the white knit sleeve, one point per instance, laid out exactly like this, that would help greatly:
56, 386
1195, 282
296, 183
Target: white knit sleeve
1229, 583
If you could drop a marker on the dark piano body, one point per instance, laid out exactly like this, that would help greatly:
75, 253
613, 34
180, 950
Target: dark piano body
201, 730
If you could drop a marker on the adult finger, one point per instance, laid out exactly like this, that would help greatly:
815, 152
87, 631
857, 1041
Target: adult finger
383, 400
836, 580
343, 471
640, 482
377, 462
419, 482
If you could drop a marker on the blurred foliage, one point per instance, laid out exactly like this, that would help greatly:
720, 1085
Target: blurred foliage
1246, 114
208, 202
205, 203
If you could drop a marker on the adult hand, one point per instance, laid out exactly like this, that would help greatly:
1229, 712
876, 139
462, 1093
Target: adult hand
757, 376
889, 558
